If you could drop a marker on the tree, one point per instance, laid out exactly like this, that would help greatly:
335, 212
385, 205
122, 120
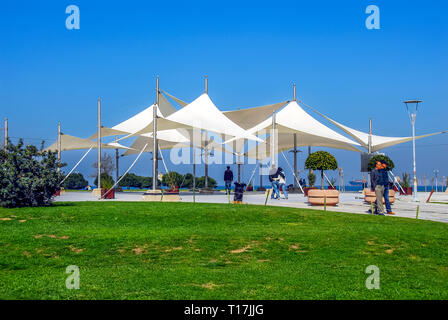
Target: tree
145, 182
107, 165
131, 180
380, 157
75, 181
28, 177
321, 160
200, 182
188, 181
172, 179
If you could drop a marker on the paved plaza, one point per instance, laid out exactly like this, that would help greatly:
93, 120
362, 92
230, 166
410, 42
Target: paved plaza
348, 202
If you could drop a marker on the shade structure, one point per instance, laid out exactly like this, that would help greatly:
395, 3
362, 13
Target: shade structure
249, 117
309, 132
200, 114
74, 143
139, 121
141, 141
377, 142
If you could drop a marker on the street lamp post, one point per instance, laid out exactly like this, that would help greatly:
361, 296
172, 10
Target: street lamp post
412, 115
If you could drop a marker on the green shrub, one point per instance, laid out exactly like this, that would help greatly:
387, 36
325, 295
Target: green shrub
75, 181
131, 180
200, 182
28, 177
311, 179
107, 181
172, 179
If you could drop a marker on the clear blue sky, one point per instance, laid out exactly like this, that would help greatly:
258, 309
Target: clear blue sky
251, 50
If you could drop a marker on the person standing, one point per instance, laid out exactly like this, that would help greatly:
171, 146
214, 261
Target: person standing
273, 178
282, 182
374, 176
386, 191
381, 182
228, 178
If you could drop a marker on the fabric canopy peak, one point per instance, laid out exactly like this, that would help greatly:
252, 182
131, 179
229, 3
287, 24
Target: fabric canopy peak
377, 142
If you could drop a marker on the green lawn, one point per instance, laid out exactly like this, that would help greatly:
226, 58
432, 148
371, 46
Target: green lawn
215, 251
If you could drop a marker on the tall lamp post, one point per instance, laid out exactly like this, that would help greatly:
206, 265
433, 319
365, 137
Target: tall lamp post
412, 108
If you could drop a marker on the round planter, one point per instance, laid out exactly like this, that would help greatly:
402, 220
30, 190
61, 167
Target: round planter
318, 197
371, 197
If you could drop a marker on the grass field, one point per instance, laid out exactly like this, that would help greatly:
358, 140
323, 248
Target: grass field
214, 251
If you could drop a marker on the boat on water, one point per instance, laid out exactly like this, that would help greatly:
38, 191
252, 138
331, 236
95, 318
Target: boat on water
357, 183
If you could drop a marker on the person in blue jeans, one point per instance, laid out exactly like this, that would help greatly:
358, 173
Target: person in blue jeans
282, 182
273, 178
228, 178
386, 192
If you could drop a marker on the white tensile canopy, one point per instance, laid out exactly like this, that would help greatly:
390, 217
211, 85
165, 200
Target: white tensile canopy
249, 117
292, 119
200, 114
138, 122
378, 142
74, 143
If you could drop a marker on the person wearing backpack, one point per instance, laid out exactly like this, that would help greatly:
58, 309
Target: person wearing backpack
282, 182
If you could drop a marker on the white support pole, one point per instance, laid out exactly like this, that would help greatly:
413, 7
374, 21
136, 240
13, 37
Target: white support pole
155, 155
414, 192
273, 139
99, 145
117, 157
59, 148
206, 143
412, 115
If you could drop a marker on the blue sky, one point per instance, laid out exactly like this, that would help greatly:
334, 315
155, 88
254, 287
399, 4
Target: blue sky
252, 51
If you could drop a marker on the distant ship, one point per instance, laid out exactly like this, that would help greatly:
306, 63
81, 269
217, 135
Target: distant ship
357, 183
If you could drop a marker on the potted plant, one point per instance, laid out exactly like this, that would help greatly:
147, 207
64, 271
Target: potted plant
107, 182
250, 187
173, 180
332, 186
405, 184
322, 160
311, 182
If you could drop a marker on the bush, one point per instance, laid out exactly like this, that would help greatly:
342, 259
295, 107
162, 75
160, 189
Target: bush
172, 179
75, 181
379, 157
405, 182
311, 179
28, 177
107, 181
200, 182
131, 180
321, 160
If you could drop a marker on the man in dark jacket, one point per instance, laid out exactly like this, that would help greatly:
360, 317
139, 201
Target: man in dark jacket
386, 191
381, 182
374, 177
228, 178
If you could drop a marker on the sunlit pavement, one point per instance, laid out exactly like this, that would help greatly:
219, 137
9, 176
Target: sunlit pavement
348, 202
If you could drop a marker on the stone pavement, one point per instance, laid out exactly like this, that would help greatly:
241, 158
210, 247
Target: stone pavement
348, 202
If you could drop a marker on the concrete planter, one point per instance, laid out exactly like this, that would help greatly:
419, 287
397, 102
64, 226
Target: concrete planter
371, 197
318, 197
307, 189
156, 195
